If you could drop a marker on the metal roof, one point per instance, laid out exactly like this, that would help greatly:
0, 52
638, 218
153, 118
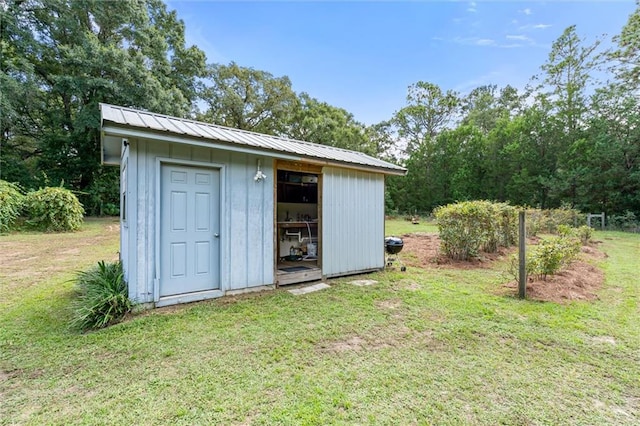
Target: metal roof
132, 118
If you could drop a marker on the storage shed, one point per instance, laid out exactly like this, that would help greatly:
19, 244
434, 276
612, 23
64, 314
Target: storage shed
208, 210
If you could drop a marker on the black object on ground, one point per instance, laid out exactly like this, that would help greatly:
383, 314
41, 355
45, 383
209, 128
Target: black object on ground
393, 246
293, 268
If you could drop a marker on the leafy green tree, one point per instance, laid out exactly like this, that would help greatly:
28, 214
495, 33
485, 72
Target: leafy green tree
627, 55
566, 79
319, 122
19, 91
608, 158
567, 74
66, 56
248, 99
429, 110
381, 137
450, 168
480, 108
484, 106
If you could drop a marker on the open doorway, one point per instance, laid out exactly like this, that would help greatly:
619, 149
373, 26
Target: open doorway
298, 223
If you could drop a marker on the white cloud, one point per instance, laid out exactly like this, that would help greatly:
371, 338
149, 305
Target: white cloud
485, 42
474, 41
518, 37
472, 7
527, 11
534, 27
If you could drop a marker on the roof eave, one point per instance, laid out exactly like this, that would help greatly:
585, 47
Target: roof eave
128, 131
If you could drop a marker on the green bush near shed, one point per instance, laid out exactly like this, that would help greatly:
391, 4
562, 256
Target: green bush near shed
11, 203
472, 226
54, 210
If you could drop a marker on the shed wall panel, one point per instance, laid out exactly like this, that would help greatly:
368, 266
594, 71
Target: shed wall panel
251, 223
246, 218
352, 221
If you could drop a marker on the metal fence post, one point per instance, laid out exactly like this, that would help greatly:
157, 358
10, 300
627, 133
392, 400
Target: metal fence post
522, 271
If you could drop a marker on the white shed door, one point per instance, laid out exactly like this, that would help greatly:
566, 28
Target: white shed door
189, 230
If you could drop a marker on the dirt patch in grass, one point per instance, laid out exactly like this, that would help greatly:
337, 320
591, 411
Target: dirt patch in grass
423, 250
393, 337
593, 251
364, 343
393, 334
579, 281
405, 284
389, 304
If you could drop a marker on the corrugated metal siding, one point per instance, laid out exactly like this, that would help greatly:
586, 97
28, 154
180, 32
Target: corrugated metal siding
352, 221
146, 120
247, 244
250, 223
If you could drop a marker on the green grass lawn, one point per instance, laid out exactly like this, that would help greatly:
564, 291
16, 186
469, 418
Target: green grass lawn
436, 346
399, 227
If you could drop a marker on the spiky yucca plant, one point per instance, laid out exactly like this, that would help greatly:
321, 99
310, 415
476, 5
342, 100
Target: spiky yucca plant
102, 296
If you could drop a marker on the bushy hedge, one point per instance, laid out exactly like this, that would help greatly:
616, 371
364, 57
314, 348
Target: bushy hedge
11, 203
472, 226
54, 209
504, 227
582, 233
547, 221
552, 254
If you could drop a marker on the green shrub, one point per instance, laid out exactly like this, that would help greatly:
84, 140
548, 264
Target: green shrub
11, 203
460, 234
489, 220
548, 220
102, 297
584, 233
562, 216
626, 221
53, 209
506, 224
552, 254
533, 221
565, 231
472, 226
111, 209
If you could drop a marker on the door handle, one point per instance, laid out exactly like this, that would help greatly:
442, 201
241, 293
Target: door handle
216, 235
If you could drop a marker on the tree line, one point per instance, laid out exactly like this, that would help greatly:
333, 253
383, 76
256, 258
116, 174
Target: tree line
570, 138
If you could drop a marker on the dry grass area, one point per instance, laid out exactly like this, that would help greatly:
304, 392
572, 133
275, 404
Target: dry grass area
27, 259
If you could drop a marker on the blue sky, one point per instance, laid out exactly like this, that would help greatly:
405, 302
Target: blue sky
362, 56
